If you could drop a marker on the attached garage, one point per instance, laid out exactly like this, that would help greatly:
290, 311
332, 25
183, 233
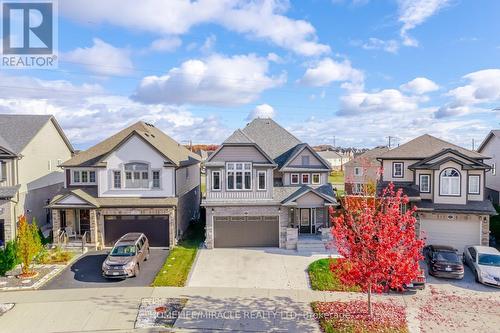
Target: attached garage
246, 231
454, 232
155, 227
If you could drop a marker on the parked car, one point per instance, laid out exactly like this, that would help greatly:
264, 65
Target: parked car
418, 283
444, 261
126, 256
484, 262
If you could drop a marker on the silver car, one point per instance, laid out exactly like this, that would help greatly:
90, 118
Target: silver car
126, 256
484, 262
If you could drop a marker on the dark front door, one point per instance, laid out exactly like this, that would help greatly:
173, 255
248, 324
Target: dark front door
155, 227
305, 220
2, 232
84, 220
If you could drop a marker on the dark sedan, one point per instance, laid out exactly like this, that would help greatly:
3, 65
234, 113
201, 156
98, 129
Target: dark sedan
444, 261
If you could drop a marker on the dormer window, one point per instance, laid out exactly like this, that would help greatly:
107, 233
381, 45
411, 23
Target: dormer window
136, 175
450, 182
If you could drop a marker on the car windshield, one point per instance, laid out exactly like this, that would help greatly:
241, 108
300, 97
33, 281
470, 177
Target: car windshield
123, 251
489, 259
446, 256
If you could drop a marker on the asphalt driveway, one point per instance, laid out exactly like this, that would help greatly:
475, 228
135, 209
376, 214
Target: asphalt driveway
269, 268
86, 272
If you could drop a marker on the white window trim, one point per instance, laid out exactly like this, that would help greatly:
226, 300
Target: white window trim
149, 179
88, 177
428, 183
291, 179
441, 184
356, 190
121, 179
478, 184
243, 172
494, 169
153, 181
360, 171
319, 178
265, 180
212, 181
394, 175
308, 178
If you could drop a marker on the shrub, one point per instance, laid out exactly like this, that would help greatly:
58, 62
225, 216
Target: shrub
29, 244
8, 257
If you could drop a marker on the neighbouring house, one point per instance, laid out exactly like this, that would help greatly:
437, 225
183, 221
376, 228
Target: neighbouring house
491, 147
138, 180
332, 157
363, 171
446, 183
265, 188
31, 149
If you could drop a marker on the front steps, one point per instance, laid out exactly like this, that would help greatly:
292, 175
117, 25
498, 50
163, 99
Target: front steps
314, 245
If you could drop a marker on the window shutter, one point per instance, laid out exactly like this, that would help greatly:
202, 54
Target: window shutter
4, 170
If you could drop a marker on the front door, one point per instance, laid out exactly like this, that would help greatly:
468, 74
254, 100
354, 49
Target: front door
305, 220
84, 221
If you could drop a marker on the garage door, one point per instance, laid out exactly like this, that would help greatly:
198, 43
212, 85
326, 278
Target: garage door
155, 227
456, 233
246, 231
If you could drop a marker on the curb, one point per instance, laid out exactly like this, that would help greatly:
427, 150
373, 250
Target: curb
200, 247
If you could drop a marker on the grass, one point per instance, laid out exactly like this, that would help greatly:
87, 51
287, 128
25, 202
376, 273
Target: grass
203, 184
322, 278
336, 177
177, 266
55, 256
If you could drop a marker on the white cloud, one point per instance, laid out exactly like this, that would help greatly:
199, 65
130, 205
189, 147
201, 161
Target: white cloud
412, 13
216, 80
391, 46
384, 101
483, 88
166, 44
263, 20
328, 70
101, 58
262, 111
420, 86
209, 44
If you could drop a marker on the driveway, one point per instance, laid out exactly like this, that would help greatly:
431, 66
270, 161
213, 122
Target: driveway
86, 272
268, 268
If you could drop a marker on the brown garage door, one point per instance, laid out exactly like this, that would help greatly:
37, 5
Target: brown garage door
155, 227
246, 231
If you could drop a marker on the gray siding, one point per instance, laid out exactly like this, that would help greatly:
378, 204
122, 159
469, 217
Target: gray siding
492, 149
239, 154
297, 161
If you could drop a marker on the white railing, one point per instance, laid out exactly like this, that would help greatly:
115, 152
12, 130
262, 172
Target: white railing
238, 195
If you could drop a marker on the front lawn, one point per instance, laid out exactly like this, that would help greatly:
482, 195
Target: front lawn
178, 264
353, 317
322, 278
336, 177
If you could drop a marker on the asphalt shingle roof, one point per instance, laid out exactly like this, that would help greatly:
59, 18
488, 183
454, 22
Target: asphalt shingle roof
485, 207
7, 192
409, 189
16, 130
369, 156
425, 146
238, 137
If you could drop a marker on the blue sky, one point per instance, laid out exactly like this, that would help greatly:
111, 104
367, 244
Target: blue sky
356, 70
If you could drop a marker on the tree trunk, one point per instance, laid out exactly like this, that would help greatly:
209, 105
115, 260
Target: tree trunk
370, 311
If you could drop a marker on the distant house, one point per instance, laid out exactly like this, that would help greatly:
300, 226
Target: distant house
362, 171
332, 157
491, 147
32, 147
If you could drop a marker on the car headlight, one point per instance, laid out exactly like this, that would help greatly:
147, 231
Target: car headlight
486, 275
105, 266
129, 265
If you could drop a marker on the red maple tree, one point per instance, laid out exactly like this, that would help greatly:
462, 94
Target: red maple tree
376, 236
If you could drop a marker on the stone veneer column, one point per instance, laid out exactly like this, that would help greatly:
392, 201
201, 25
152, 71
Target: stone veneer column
171, 228
485, 230
56, 223
93, 226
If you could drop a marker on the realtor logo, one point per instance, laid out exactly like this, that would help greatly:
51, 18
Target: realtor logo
29, 38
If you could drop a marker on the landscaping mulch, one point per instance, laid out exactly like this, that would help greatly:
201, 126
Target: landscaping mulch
353, 317
11, 282
159, 312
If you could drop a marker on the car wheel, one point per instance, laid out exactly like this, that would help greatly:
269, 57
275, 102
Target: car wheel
136, 270
147, 256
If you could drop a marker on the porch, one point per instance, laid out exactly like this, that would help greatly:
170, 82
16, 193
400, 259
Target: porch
74, 226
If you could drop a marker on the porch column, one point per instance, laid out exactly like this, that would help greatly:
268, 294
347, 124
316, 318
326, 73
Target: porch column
93, 226
56, 223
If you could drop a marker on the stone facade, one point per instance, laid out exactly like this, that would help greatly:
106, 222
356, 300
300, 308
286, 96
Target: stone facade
7, 215
485, 230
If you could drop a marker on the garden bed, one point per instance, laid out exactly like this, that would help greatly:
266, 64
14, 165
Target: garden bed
353, 317
322, 278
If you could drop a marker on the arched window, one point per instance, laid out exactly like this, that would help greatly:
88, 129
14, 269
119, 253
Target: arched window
136, 175
450, 182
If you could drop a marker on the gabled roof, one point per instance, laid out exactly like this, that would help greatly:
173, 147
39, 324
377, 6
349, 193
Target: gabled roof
174, 152
17, 130
328, 154
294, 152
425, 163
238, 137
368, 156
488, 138
325, 191
424, 146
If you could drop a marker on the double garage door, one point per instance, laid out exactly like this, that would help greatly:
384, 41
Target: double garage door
155, 227
246, 231
456, 233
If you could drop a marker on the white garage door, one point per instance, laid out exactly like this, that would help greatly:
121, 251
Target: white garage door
456, 233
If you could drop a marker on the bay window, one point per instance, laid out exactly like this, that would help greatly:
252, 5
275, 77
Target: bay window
425, 183
474, 182
239, 176
136, 175
450, 182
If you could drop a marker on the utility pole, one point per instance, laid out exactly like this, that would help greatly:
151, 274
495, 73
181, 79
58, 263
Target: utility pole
334, 145
390, 139
473, 145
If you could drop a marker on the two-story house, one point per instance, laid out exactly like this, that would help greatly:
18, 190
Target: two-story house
446, 183
265, 188
138, 180
31, 149
491, 147
361, 174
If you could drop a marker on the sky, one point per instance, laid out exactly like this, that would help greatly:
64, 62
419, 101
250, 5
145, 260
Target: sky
353, 72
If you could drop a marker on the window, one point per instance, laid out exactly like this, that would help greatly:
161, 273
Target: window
3, 170
397, 169
305, 178
294, 178
450, 182
474, 181
239, 176
261, 179
316, 178
425, 183
358, 188
136, 175
84, 177
117, 179
358, 171
216, 180
494, 169
92, 176
76, 176
305, 160
156, 179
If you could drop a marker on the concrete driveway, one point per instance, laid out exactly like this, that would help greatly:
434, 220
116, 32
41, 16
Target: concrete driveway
268, 268
86, 272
